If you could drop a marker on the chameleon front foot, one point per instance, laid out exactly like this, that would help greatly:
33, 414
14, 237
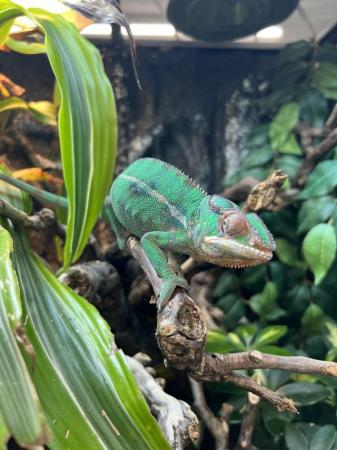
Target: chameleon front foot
167, 289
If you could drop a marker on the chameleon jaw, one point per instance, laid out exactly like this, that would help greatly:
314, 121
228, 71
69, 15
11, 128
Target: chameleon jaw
230, 253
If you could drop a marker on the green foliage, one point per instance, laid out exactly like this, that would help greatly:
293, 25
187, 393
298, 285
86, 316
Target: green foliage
87, 121
291, 303
319, 249
62, 380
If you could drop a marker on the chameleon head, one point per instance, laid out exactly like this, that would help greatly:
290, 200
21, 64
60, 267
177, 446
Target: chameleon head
230, 238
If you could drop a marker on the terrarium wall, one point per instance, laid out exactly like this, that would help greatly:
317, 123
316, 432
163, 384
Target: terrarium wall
194, 107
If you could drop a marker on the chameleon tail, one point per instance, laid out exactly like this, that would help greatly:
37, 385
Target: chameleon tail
39, 194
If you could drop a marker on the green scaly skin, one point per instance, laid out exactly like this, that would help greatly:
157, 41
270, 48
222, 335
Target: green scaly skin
169, 212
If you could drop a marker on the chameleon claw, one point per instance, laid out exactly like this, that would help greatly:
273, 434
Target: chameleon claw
168, 288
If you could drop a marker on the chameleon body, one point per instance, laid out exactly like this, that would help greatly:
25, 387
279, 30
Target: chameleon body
168, 211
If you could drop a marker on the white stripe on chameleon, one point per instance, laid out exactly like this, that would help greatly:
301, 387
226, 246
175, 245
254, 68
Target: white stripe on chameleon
155, 194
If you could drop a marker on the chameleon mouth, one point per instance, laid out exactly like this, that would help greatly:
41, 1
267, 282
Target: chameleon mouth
236, 255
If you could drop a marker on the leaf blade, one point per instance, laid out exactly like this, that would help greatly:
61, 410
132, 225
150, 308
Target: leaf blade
319, 249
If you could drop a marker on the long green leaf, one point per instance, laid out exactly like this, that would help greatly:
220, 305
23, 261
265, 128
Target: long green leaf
87, 126
19, 405
4, 434
87, 121
89, 396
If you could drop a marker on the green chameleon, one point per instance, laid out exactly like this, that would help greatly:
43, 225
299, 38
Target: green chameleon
168, 211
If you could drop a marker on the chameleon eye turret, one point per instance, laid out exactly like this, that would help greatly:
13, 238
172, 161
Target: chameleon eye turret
233, 223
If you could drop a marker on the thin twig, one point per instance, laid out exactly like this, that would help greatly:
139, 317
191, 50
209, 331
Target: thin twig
217, 426
248, 422
40, 221
331, 121
315, 155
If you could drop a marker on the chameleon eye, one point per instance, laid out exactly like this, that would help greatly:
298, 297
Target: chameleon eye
234, 223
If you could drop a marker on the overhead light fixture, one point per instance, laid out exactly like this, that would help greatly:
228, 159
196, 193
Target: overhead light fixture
151, 30
53, 6
273, 32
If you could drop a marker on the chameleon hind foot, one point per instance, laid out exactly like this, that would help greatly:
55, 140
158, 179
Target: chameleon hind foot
169, 285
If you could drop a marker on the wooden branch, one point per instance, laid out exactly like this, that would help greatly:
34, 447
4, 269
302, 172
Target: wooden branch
216, 364
315, 155
40, 221
217, 426
181, 335
332, 119
175, 417
277, 400
248, 422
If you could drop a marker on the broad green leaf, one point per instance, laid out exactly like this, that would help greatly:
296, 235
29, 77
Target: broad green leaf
88, 394
288, 75
290, 146
234, 338
324, 438
319, 249
325, 76
258, 173
269, 335
329, 93
25, 47
284, 121
321, 181
277, 378
331, 340
219, 342
226, 283
274, 350
274, 421
313, 108
294, 52
287, 253
19, 405
289, 164
258, 137
315, 211
246, 333
332, 334
258, 157
231, 305
295, 438
265, 303
312, 320
304, 393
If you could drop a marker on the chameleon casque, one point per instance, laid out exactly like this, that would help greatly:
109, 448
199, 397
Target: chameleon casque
168, 211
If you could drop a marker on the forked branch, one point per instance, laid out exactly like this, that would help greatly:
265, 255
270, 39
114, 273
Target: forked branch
181, 335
